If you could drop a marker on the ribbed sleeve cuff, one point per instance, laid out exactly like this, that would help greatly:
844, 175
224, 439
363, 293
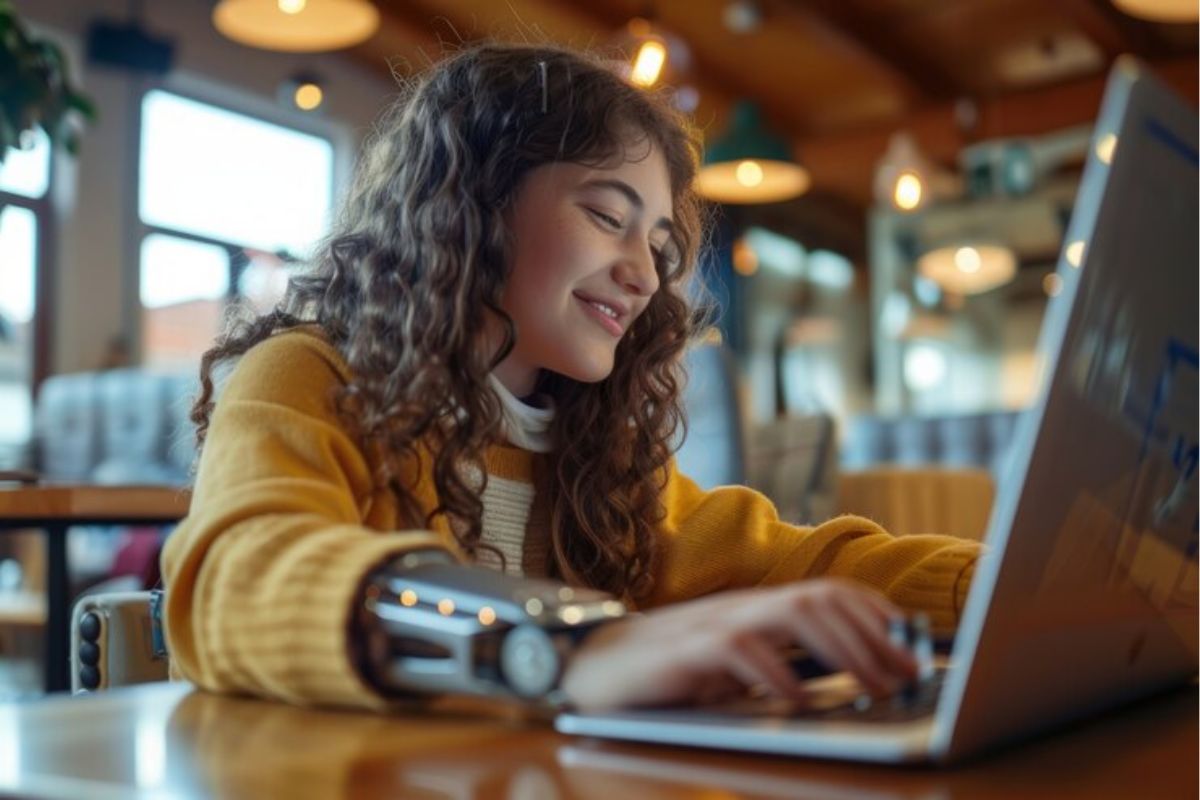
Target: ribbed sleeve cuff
297, 645
938, 585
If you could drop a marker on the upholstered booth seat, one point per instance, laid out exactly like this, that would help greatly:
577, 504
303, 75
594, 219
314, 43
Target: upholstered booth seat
125, 426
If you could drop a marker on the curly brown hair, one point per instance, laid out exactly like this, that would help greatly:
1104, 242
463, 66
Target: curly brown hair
420, 249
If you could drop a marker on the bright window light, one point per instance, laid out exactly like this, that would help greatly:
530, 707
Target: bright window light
18, 250
924, 367
178, 270
227, 176
27, 172
779, 253
829, 269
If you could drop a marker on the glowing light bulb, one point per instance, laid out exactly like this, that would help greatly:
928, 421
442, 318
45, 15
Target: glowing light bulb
648, 63
292, 6
908, 191
967, 259
308, 96
749, 174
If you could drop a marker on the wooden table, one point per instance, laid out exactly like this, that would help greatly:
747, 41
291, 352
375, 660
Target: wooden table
167, 740
54, 509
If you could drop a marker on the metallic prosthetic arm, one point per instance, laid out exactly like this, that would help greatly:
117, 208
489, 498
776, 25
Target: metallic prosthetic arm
444, 627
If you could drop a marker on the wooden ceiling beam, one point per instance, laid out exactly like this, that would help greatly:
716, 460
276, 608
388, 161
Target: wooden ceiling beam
844, 163
404, 44
1114, 32
918, 76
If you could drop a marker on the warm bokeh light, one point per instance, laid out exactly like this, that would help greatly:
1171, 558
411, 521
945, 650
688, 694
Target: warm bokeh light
648, 63
445, 606
533, 606
1105, 147
292, 6
487, 615
908, 192
572, 615
1075, 253
749, 174
408, 598
308, 96
745, 260
1052, 284
967, 259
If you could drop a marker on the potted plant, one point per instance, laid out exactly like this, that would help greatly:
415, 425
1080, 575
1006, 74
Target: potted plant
35, 88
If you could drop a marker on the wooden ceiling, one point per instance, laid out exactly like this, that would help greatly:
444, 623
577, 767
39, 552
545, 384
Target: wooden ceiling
839, 77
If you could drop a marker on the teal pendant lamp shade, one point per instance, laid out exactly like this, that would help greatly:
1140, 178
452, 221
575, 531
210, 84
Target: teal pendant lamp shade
750, 164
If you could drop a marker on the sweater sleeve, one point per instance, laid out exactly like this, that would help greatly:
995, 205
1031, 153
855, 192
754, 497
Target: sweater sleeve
263, 576
731, 537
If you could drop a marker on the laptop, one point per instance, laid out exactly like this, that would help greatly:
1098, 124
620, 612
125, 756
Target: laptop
1086, 596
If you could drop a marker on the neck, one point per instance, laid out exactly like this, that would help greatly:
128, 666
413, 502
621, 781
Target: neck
518, 378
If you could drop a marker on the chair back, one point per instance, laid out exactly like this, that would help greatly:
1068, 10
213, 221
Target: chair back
117, 640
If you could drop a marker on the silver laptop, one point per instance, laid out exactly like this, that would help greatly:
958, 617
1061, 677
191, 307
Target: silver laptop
1086, 596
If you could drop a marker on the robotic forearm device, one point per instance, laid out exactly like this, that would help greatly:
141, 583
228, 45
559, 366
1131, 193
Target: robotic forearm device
442, 627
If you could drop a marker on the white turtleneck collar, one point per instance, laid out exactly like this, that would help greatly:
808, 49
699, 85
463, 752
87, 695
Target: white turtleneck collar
525, 426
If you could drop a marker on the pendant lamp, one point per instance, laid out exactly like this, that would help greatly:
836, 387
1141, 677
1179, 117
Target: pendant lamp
750, 164
969, 267
297, 26
1172, 11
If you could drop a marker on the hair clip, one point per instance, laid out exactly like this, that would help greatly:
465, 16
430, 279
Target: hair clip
545, 85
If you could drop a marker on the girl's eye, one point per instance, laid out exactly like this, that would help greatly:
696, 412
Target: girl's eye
607, 219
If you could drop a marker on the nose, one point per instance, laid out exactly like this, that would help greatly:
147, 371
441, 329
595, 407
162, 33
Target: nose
636, 272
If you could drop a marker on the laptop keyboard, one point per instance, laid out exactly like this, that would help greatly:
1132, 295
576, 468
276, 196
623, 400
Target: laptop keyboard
916, 702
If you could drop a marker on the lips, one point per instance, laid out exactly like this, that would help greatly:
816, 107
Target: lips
610, 314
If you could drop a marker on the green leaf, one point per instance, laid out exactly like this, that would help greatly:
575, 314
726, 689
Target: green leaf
35, 86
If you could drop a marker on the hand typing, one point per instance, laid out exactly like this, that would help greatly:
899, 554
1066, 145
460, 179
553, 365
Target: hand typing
728, 642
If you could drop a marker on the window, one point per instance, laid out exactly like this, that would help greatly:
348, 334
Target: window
227, 202
24, 180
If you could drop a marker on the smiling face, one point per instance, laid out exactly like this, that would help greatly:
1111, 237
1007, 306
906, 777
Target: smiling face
585, 245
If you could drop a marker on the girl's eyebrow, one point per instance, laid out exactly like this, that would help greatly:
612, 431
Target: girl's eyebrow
631, 195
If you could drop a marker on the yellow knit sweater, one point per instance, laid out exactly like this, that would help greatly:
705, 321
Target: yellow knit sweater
285, 522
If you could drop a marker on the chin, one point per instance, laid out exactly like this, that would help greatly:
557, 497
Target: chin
586, 369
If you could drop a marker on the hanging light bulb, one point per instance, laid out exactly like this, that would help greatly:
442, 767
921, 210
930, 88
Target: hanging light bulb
302, 91
308, 96
649, 62
749, 174
908, 191
657, 56
296, 26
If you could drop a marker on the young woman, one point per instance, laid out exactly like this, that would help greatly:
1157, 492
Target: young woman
485, 360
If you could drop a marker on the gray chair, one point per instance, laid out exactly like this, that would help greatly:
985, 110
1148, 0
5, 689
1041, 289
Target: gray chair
67, 427
124, 426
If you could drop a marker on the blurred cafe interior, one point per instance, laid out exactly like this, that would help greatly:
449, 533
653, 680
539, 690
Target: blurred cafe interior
890, 182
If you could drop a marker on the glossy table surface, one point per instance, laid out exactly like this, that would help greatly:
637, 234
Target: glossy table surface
168, 740
92, 503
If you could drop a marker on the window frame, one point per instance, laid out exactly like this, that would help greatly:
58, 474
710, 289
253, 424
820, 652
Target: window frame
237, 102
44, 277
